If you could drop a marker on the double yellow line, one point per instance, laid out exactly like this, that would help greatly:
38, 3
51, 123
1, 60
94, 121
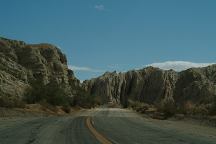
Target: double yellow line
98, 136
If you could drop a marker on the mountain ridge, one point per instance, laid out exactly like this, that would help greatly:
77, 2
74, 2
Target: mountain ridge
196, 86
24, 64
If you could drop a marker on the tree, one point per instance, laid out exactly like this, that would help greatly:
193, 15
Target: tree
51, 93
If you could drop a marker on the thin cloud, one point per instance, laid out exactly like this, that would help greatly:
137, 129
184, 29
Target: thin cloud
99, 7
85, 69
113, 66
178, 65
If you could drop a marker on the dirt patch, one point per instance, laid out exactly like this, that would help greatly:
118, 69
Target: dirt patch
35, 110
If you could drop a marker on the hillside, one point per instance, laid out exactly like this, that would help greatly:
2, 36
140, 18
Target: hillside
26, 66
191, 90
35, 73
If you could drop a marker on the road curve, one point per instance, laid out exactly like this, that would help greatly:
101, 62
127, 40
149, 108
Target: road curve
97, 135
122, 126
46, 130
117, 126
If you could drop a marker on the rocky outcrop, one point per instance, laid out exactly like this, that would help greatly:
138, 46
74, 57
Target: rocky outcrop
149, 85
153, 85
196, 85
21, 64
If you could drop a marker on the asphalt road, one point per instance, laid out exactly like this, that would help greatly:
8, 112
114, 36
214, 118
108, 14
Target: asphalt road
126, 127
118, 126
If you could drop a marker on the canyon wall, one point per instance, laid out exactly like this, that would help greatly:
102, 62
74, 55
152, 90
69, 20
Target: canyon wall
153, 86
22, 64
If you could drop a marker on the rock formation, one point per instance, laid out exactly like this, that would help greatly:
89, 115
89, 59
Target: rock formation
153, 86
21, 64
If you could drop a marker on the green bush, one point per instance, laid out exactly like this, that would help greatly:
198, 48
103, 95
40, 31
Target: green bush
57, 95
212, 110
84, 99
45, 105
189, 108
167, 106
51, 93
10, 102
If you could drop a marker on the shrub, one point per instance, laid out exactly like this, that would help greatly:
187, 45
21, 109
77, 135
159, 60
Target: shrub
51, 93
10, 102
212, 110
186, 108
57, 95
167, 106
190, 108
139, 106
84, 99
45, 105
66, 109
201, 110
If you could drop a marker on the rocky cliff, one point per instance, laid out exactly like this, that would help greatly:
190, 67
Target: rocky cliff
154, 86
21, 64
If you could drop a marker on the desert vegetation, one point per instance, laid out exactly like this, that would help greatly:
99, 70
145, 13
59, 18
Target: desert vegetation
168, 108
51, 93
85, 99
10, 102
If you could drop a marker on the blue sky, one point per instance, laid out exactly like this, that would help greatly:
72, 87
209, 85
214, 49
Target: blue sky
108, 35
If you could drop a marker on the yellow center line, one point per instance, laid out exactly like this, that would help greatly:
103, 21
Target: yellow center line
98, 136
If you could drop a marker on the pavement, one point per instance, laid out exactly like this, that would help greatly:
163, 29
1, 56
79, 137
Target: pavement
102, 125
